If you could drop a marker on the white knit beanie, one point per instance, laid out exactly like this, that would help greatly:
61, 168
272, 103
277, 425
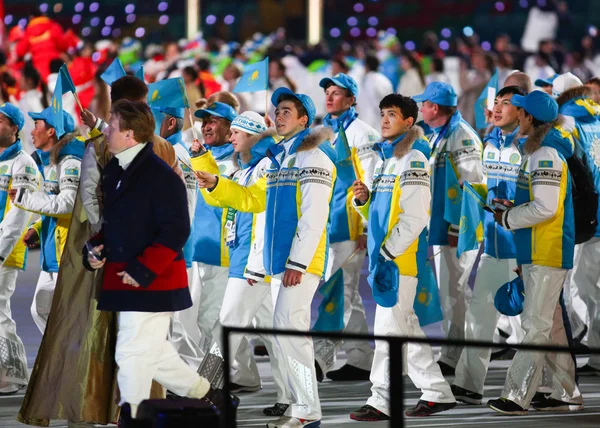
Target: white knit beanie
249, 122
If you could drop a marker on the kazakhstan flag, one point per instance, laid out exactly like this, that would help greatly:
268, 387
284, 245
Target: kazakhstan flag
331, 309
427, 304
114, 72
57, 108
67, 81
168, 93
255, 78
471, 217
454, 194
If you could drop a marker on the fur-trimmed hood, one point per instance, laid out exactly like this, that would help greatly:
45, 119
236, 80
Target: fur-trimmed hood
315, 137
548, 135
411, 139
261, 143
414, 134
68, 144
576, 102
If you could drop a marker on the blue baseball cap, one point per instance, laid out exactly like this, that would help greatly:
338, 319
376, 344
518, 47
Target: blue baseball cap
545, 82
306, 101
538, 104
13, 113
438, 93
217, 109
343, 81
179, 113
47, 116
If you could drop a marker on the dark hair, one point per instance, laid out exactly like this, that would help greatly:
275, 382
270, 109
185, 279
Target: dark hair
407, 105
299, 106
514, 90
55, 65
437, 64
29, 72
372, 63
346, 90
414, 61
593, 81
203, 64
447, 110
128, 88
535, 122
135, 116
342, 63
191, 71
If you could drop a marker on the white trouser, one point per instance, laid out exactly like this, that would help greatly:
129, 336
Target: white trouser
586, 275
543, 324
292, 312
42, 299
360, 353
453, 281
241, 305
185, 333
143, 354
13, 360
481, 320
576, 307
401, 320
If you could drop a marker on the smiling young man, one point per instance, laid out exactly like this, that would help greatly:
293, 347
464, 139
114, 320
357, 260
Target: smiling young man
501, 163
397, 210
455, 140
17, 170
353, 142
298, 183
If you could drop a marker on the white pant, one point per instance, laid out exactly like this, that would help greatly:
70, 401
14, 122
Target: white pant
576, 307
42, 299
184, 334
292, 312
453, 281
401, 320
543, 324
359, 352
13, 360
242, 304
586, 275
481, 320
143, 354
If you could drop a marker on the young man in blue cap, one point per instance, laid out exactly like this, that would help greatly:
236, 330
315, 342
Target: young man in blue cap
454, 140
354, 141
297, 187
542, 219
17, 170
58, 158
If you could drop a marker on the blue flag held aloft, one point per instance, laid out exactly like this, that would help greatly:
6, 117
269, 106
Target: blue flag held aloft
140, 73
486, 101
114, 72
57, 108
453, 201
331, 309
471, 217
255, 77
168, 93
66, 80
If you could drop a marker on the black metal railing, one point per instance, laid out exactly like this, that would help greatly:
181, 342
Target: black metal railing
395, 350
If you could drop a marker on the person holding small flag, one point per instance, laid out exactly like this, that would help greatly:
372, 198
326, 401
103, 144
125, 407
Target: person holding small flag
457, 145
356, 160
397, 210
501, 164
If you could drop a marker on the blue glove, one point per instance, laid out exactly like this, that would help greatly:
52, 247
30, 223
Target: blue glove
510, 297
384, 281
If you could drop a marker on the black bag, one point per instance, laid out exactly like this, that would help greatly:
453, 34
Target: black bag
177, 413
585, 200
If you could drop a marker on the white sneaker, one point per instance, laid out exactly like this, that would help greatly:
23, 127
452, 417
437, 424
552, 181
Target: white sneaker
290, 422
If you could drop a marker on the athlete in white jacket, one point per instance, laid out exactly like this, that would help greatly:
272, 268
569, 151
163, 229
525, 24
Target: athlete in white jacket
17, 171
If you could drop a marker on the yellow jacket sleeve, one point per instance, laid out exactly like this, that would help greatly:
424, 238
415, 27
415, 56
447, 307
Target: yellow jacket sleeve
37, 226
205, 162
252, 199
363, 210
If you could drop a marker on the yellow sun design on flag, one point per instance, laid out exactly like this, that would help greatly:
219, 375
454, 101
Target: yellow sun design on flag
452, 193
254, 75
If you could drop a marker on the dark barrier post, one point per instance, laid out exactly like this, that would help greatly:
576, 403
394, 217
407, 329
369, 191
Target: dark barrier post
396, 383
230, 421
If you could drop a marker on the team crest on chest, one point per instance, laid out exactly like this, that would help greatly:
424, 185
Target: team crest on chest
514, 158
3, 170
291, 163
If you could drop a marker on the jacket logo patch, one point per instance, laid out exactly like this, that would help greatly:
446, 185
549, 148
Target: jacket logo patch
514, 158
291, 163
468, 143
52, 175
72, 171
545, 164
3, 170
491, 155
417, 164
222, 169
30, 170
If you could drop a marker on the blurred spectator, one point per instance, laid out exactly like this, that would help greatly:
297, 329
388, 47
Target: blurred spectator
594, 84
339, 65
231, 75
543, 64
82, 70
207, 83
44, 40
194, 94
437, 71
278, 77
505, 66
520, 79
68, 99
34, 98
412, 81
373, 87
8, 88
575, 64
472, 83
100, 104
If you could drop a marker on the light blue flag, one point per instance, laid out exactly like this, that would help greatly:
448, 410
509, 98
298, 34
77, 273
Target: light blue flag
140, 73
427, 300
57, 108
471, 218
168, 93
114, 72
255, 77
331, 309
66, 80
453, 199
490, 91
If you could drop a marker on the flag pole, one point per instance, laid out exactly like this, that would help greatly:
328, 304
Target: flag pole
77, 100
192, 123
267, 91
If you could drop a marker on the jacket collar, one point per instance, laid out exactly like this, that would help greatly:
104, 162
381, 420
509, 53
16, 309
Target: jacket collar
12, 151
221, 152
495, 137
176, 138
344, 120
411, 139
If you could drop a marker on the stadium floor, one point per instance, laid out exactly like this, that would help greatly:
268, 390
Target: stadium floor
337, 399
